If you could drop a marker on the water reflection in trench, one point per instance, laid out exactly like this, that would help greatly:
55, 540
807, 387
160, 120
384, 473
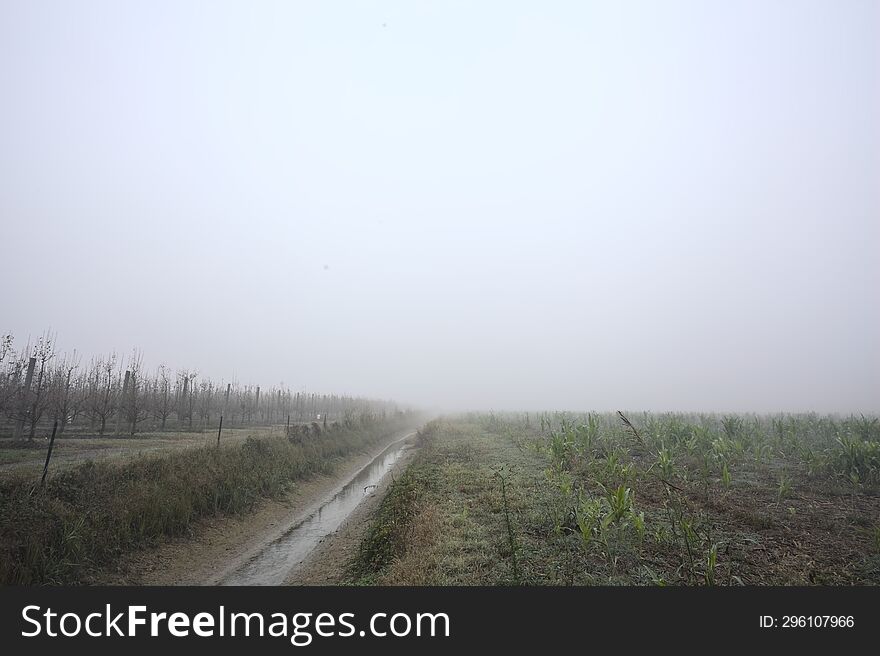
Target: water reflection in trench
274, 562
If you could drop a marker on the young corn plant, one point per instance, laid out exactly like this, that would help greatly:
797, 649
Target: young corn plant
589, 514
605, 520
689, 535
811, 460
732, 425
859, 456
722, 449
740, 447
725, 477
620, 514
638, 523
611, 470
619, 504
559, 499
665, 464
783, 489
702, 436
587, 434
565, 482
711, 562
762, 453
560, 448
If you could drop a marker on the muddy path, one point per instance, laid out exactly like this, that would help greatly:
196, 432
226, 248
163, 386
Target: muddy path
283, 540
326, 564
274, 562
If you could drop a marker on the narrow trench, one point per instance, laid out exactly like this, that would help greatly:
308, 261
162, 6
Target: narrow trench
273, 563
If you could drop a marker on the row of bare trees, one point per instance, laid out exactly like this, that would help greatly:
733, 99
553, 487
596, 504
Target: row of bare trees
112, 394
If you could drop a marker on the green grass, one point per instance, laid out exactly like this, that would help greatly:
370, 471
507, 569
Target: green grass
27, 459
443, 522
640, 499
388, 534
15, 456
89, 514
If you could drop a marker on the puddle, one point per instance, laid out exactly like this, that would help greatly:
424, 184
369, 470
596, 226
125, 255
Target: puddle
274, 562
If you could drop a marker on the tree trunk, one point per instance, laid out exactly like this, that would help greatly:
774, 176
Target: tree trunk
34, 417
19, 427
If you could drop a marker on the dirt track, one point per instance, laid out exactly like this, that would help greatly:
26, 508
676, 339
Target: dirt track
325, 565
217, 547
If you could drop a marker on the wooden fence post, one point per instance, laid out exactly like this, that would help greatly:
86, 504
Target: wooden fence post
49, 454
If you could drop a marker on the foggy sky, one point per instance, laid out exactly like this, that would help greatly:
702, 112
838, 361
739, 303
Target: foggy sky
489, 205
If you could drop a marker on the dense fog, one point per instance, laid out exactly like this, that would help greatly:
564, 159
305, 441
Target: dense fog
495, 205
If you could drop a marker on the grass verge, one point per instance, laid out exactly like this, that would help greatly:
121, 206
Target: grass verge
88, 515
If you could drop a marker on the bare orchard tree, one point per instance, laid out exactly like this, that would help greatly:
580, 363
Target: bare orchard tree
186, 396
19, 380
232, 403
204, 403
39, 397
102, 395
180, 393
34, 382
76, 402
243, 398
193, 398
62, 391
8, 381
164, 400
134, 404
